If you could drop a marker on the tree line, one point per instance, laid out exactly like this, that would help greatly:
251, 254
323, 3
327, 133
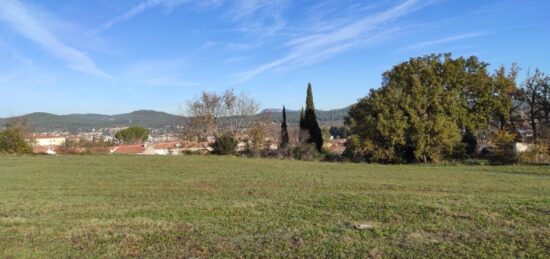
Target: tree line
231, 118
435, 107
428, 109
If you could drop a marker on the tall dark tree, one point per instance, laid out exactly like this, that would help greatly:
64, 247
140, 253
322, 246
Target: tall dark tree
284, 131
302, 135
532, 87
544, 100
310, 121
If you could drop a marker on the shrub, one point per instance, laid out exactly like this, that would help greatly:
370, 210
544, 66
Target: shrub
469, 141
537, 153
329, 156
224, 145
353, 150
12, 141
306, 152
503, 148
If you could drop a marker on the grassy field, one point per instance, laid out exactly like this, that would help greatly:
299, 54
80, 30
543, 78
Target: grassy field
192, 206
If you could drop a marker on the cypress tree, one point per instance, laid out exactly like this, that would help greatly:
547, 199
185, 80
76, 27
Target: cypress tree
310, 121
302, 135
284, 131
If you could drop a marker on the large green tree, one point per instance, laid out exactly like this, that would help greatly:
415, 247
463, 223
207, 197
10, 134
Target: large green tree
132, 135
423, 108
315, 136
507, 97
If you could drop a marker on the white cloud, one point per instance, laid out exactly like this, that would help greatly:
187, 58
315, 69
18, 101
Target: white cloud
260, 17
22, 20
447, 40
136, 10
331, 41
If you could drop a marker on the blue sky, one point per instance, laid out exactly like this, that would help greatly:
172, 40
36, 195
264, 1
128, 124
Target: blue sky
113, 57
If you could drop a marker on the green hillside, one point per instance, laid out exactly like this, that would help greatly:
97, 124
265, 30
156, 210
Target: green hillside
85, 122
151, 119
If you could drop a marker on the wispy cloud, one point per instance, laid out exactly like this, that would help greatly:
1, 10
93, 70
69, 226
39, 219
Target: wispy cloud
319, 46
22, 20
136, 10
169, 72
261, 17
446, 40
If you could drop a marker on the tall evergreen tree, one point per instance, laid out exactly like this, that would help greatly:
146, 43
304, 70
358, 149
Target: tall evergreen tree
310, 121
284, 131
302, 135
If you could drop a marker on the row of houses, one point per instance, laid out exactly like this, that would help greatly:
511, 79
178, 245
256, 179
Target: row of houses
166, 148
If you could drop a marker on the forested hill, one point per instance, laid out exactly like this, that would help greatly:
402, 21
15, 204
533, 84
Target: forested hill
83, 122
40, 121
293, 117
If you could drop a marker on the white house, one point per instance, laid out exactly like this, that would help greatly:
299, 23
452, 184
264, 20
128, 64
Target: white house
48, 140
521, 148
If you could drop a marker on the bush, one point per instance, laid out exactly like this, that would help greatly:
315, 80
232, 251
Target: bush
329, 156
224, 145
306, 152
503, 148
469, 140
12, 141
353, 149
537, 153
475, 162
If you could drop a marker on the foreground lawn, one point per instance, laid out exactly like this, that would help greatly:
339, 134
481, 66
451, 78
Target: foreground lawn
192, 206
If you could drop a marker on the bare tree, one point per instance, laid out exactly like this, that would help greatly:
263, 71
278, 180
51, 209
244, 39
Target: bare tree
20, 123
203, 112
213, 114
237, 112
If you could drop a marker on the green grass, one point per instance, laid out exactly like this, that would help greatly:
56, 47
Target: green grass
192, 206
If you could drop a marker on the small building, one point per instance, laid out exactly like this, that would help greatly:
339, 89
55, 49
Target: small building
520, 148
48, 140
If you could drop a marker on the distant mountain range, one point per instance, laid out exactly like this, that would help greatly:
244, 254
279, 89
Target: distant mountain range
41, 121
335, 116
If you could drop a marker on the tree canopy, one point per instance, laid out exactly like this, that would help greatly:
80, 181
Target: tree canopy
424, 107
132, 135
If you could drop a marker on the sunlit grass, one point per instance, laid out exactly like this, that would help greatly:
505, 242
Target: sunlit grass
148, 206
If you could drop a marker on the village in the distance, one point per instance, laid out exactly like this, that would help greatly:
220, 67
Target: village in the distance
170, 140
161, 141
